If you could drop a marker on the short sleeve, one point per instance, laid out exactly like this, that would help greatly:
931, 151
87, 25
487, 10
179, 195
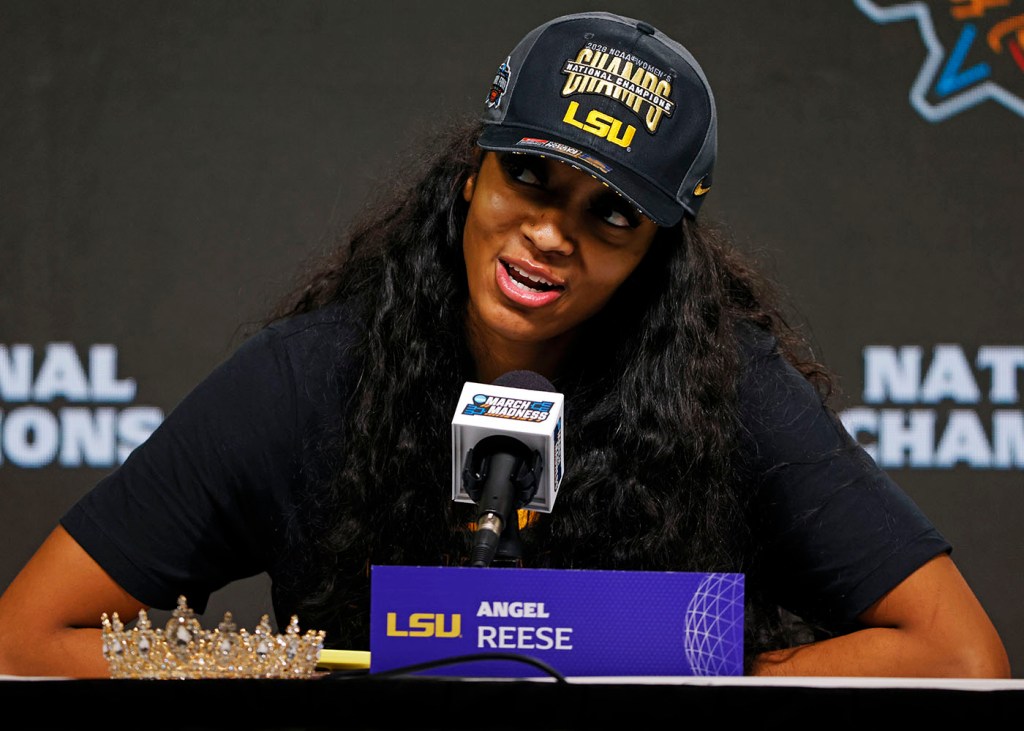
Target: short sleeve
839, 532
194, 506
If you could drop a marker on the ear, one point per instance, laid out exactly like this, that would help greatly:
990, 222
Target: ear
467, 188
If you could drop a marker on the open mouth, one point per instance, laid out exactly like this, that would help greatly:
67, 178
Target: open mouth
528, 281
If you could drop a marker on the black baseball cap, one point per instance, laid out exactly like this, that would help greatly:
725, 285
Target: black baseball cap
615, 97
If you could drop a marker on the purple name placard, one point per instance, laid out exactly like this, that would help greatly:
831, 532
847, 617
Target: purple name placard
581, 623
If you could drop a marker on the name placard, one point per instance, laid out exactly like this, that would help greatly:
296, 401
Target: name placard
579, 622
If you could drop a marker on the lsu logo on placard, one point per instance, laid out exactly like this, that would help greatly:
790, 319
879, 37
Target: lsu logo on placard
424, 624
508, 408
974, 52
643, 90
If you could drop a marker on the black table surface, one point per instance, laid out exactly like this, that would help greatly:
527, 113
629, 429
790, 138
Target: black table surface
359, 700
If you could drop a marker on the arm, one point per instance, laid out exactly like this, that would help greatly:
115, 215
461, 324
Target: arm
50, 613
929, 625
193, 508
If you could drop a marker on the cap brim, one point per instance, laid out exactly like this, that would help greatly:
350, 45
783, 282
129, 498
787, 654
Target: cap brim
657, 205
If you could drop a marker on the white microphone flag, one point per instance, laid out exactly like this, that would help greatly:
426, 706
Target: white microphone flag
533, 417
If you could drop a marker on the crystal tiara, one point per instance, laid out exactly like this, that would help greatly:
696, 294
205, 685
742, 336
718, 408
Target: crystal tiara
183, 649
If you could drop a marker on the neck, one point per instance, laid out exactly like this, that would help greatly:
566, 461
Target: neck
494, 356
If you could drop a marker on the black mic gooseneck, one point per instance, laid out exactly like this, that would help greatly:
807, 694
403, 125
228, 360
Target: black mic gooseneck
501, 474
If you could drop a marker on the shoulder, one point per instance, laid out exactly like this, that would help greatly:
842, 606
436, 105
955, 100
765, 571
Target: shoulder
328, 332
774, 396
341, 318
315, 348
784, 421
286, 379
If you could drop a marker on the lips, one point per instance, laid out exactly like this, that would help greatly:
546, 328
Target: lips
525, 285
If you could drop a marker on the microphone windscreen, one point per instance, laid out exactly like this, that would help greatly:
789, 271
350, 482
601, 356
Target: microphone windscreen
524, 379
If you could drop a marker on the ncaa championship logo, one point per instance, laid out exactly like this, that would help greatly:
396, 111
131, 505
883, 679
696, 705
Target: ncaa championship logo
974, 52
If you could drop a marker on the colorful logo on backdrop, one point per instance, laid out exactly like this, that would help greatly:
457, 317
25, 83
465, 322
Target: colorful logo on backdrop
941, 407
974, 52
59, 408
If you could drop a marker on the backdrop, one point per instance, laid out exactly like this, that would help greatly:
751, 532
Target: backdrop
166, 167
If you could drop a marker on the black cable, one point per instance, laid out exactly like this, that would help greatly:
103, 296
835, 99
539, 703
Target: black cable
459, 659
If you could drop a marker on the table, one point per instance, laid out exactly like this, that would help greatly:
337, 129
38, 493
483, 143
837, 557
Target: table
359, 700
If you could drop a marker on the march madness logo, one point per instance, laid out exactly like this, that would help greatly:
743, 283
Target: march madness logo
508, 408
974, 52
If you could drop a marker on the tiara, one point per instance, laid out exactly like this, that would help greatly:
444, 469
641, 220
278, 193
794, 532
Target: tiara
183, 649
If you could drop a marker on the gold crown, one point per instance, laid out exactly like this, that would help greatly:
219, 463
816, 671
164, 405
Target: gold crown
183, 649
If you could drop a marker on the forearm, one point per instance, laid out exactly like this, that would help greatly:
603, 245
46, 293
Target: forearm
70, 652
887, 652
50, 614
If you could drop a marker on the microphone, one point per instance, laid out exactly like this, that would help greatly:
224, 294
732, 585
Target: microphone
507, 453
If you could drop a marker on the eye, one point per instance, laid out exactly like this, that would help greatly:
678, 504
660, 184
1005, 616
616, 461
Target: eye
524, 169
615, 211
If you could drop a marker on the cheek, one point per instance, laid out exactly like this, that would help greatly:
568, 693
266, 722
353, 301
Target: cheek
475, 252
472, 235
614, 268
493, 205
469, 249
491, 216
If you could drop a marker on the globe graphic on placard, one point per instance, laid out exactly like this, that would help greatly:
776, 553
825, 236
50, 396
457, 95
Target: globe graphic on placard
713, 639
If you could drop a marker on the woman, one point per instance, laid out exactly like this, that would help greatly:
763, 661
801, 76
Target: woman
560, 236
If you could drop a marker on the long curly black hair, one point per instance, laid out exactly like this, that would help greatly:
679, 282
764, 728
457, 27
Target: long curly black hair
651, 480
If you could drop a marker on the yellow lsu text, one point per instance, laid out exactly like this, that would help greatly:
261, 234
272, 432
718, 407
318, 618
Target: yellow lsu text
425, 624
600, 125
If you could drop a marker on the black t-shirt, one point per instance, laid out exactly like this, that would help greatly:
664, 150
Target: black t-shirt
209, 498
839, 532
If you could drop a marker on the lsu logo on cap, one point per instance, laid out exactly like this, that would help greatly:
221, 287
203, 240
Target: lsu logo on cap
975, 52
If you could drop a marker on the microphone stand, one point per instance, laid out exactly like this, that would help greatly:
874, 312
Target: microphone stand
510, 545
500, 474
496, 503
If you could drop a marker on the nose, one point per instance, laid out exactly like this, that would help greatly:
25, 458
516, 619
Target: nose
551, 230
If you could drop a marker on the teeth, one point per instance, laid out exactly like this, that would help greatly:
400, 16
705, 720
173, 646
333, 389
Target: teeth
532, 278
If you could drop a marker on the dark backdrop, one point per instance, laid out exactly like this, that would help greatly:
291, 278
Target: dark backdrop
165, 167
